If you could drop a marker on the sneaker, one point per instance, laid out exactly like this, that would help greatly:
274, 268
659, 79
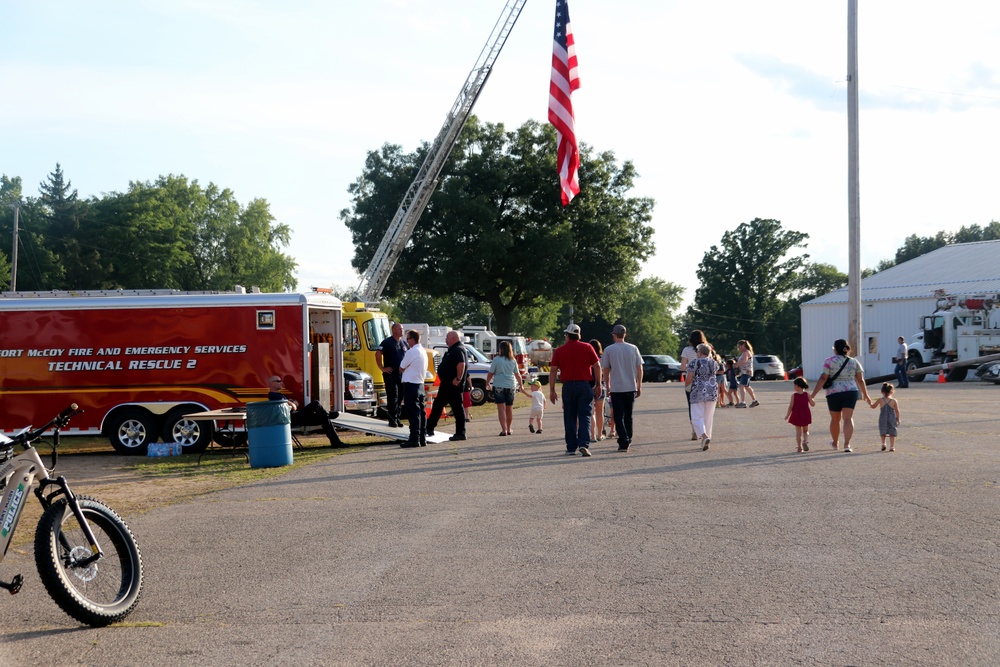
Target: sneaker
805, 445
531, 427
833, 443
570, 453
457, 437
538, 431
755, 403
584, 451
847, 449
430, 431
693, 436
408, 444
741, 405
704, 444
623, 449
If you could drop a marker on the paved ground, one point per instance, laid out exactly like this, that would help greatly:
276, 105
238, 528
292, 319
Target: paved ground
505, 551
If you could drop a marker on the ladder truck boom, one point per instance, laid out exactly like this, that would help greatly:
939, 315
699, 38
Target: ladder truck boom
405, 220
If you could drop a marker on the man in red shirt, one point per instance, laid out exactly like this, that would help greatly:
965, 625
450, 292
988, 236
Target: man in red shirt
577, 364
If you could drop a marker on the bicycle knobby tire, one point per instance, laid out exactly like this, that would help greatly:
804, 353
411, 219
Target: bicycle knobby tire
104, 591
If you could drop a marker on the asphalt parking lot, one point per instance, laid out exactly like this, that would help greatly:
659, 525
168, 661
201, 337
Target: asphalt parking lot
504, 551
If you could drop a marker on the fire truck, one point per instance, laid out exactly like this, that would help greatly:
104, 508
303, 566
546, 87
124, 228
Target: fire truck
961, 330
138, 362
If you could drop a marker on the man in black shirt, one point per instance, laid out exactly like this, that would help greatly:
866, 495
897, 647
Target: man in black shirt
388, 357
313, 414
452, 375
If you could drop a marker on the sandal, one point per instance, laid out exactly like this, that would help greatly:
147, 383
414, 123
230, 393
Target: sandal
503, 432
805, 445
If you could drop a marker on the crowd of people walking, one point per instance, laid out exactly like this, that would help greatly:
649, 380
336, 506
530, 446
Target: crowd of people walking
597, 381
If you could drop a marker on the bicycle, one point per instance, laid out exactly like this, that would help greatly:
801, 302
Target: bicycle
86, 556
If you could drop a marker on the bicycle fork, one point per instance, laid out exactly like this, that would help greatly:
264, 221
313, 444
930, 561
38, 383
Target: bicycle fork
14, 585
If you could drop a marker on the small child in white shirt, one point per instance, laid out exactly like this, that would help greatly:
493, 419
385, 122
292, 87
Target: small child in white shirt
537, 406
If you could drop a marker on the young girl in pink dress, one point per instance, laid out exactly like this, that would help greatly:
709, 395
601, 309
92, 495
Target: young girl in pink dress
799, 415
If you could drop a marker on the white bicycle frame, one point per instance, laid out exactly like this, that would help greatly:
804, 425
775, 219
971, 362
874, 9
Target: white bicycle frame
18, 475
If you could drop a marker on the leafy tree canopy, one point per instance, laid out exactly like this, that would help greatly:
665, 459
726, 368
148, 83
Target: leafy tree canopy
171, 233
914, 246
648, 313
745, 284
495, 230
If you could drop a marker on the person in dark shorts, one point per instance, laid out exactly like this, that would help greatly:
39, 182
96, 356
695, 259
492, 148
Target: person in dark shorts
846, 384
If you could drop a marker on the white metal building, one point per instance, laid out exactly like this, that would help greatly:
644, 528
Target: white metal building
893, 302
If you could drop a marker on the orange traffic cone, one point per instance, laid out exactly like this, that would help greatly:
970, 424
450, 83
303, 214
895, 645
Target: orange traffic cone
683, 376
941, 378
786, 376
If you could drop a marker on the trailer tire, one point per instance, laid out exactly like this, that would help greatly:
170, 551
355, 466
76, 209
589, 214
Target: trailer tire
132, 431
194, 436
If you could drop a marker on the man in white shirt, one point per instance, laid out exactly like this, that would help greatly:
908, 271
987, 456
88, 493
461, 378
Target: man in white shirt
622, 370
414, 368
901, 379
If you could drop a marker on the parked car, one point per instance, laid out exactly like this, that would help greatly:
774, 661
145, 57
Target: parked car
768, 367
795, 373
660, 368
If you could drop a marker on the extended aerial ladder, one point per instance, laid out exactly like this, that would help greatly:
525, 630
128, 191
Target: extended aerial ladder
410, 209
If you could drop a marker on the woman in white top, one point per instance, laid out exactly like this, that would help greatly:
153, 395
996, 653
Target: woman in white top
689, 354
744, 366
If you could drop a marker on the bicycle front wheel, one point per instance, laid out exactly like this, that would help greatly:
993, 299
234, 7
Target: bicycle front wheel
96, 593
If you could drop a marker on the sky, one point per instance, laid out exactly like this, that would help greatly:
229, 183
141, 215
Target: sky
730, 110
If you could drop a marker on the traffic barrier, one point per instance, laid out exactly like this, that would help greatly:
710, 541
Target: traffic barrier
941, 377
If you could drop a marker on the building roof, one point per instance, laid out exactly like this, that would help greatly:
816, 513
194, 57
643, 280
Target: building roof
960, 269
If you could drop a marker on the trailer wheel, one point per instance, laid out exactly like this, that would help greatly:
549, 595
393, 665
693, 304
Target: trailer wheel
193, 436
132, 431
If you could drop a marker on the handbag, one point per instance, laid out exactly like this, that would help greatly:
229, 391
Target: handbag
829, 381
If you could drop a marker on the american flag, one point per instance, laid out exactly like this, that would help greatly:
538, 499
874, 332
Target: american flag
564, 81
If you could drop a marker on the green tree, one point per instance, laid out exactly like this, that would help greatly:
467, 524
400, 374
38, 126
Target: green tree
495, 230
38, 268
744, 283
649, 313
173, 233
914, 246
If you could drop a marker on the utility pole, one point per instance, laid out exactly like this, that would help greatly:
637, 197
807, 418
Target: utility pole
854, 331
13, 252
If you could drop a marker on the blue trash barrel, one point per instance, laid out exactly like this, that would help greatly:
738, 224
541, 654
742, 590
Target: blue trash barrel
270, 434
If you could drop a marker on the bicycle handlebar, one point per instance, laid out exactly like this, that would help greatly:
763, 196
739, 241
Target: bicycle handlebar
59, 421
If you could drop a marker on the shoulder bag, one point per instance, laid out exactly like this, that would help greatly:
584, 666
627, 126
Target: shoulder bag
829, 381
